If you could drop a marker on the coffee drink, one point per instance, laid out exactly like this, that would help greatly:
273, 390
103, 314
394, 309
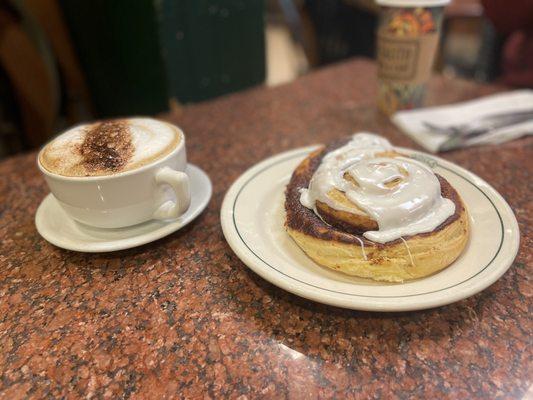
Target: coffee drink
109, 147
118, 173
407, 40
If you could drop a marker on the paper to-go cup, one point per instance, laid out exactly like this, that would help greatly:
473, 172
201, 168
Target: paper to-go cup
408, 37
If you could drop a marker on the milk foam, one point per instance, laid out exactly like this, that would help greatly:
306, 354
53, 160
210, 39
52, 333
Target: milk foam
150, 139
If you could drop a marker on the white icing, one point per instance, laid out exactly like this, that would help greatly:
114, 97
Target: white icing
413, 205
362, 248
408, 251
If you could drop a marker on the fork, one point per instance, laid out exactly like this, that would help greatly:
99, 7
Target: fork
482, 125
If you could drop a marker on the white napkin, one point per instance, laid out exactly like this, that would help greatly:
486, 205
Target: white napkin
411, 122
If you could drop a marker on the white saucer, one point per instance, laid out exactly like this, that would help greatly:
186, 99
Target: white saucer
54, 225
253, 216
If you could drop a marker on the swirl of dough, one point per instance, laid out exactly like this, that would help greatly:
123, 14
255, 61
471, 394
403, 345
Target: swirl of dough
401, 194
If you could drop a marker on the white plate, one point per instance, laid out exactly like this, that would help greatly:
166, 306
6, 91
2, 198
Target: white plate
253, 216
58, 228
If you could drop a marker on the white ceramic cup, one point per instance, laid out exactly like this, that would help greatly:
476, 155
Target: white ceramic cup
159, 190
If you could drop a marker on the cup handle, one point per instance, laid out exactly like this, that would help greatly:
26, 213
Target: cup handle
179, 182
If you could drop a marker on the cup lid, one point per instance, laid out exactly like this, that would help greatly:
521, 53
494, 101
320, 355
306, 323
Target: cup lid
412, 3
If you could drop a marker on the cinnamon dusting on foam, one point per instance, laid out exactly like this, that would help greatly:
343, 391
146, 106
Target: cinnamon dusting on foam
107, 146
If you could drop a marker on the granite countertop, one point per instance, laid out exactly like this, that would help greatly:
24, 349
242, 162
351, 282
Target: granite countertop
183, 317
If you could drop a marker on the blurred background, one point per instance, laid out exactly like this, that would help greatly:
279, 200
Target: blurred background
67, 61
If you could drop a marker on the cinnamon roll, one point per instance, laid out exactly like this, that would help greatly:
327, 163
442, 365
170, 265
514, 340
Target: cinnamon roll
361, 207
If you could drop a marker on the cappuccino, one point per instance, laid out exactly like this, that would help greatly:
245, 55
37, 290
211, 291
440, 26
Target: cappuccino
109, 147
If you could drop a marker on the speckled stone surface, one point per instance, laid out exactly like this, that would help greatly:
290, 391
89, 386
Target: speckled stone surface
184, 318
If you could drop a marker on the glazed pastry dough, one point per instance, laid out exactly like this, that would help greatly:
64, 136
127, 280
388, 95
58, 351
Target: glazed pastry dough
364, 209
